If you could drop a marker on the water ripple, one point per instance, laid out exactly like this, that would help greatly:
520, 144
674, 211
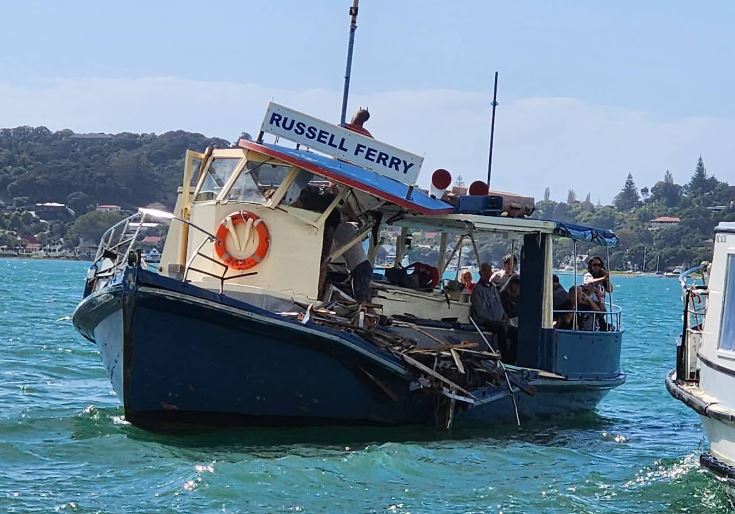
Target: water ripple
65, 446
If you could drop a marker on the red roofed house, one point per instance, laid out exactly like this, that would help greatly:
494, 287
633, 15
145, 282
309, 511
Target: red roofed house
151, 240
663, 222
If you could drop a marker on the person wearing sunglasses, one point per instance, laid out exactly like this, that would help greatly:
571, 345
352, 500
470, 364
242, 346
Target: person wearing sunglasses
598, 278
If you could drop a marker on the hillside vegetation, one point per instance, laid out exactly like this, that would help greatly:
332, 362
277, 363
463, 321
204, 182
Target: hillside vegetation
131, 170
700, 204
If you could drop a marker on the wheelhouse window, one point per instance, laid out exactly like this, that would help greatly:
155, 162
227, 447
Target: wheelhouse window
257, 181
195, 165
215, 177
727, 329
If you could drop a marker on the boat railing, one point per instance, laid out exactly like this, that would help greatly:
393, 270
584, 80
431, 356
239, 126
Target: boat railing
687, 278
602, 321
119, 246
189, 267
690, 339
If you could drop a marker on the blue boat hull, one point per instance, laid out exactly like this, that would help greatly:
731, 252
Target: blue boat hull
176, 354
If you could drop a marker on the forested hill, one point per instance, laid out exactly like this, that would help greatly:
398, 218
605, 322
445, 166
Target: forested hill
131, 170
124, 169
699, 204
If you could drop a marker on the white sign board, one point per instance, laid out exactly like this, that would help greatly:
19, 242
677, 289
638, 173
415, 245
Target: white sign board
342, 143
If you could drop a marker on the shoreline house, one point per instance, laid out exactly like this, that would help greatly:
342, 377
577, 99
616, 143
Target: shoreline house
663, 222
53, 211
109, 208
55, 250
86, 249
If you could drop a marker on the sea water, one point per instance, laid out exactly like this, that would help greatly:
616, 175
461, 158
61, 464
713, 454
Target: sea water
65, 446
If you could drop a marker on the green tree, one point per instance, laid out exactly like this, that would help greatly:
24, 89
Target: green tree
92, 225
666, 192
587, 205
699, 183
80, 202
627, 198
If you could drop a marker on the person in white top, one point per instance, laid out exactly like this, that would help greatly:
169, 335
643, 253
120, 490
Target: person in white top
500, 277
598, 277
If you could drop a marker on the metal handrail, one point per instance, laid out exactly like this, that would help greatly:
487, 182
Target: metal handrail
121, 235
612, 317
696, 311
684, 277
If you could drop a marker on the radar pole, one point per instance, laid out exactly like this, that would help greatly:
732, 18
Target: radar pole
492, 131
346, 92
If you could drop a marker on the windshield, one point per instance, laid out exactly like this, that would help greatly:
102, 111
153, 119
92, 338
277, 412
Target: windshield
257, 181
216, 176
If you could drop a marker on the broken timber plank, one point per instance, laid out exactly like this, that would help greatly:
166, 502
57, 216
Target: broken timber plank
457, 360
436, 375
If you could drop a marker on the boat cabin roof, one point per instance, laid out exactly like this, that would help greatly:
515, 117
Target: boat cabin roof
417, 209
355, 177
473, 223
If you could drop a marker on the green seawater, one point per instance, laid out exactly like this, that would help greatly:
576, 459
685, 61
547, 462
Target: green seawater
65, 447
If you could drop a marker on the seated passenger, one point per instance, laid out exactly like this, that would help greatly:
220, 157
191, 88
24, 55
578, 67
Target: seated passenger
467, 283
361, 271
587, 308
560, 297
487, 311
500, 277
424, 276
564, 317
559, 293
510, 294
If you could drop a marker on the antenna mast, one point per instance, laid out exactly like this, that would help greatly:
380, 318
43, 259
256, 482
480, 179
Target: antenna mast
492, 130
346, 91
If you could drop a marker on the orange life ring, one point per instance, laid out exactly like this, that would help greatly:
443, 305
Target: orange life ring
220, 243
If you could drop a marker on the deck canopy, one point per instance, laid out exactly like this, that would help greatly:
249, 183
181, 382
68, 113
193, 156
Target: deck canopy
459, 224
358, 178
419, 210
598, 236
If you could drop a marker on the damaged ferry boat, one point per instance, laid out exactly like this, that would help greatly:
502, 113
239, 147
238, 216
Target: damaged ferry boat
251, 320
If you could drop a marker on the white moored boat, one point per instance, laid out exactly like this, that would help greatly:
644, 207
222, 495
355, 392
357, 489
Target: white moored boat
704, 378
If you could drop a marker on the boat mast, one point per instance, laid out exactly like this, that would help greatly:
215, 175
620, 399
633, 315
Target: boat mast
643, 264
346, 91
492, 130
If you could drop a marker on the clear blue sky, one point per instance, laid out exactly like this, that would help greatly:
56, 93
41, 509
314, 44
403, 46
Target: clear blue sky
587, 89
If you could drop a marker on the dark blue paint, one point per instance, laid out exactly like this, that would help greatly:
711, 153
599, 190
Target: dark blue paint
202, 358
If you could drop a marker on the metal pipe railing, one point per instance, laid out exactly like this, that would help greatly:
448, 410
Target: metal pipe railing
613, 317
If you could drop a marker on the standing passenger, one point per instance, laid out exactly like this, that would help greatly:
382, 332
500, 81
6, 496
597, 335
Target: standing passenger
361, 271
360, 117
487, 311
598, 278
510, 294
